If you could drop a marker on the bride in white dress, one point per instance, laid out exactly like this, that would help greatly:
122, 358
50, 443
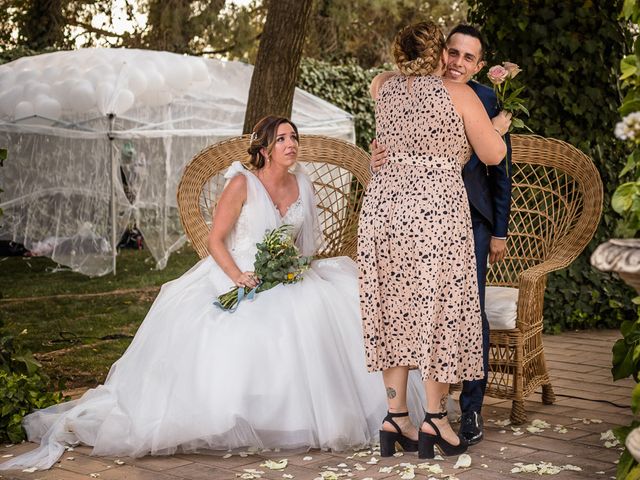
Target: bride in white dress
285, 370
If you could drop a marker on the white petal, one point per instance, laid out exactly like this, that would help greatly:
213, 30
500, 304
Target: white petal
464, 461
271, 465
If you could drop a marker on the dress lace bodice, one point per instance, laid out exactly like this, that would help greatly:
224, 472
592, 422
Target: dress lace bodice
243, 239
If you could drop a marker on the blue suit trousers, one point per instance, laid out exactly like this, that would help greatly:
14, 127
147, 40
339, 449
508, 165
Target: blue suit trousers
473, 390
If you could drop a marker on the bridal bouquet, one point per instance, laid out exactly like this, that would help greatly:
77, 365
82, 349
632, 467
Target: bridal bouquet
277, 261
508, 97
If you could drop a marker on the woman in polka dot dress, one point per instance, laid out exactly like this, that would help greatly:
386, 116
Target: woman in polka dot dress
418, 286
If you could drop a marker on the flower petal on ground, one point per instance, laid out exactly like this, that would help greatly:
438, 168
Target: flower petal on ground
464, 461
271, 465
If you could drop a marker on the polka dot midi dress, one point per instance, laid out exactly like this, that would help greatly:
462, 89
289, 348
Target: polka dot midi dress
418, 286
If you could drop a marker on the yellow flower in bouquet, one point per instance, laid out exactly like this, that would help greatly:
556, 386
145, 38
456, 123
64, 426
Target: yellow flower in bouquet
277, 261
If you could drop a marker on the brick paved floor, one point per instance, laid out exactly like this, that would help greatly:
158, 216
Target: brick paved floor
579, 364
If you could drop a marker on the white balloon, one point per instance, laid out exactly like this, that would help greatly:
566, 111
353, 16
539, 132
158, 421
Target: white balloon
124, 101
71, 73
51, 74
177, 74
200, 71
155, 81
24, 109
23, 76
9, 99
59, 90
99, 73
7, 78
33, 88
156, 98
104, 96
47, 107
82, 96
137, 80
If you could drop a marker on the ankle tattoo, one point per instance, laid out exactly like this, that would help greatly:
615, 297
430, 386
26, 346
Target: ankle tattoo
391, 393
443, 403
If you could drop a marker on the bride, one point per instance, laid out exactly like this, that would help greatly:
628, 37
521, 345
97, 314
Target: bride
285, 370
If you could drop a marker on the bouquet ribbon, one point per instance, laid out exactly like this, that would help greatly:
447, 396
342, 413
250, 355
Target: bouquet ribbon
241, 296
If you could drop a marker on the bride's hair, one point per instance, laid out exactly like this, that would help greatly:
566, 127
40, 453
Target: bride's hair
418, 48
264, 136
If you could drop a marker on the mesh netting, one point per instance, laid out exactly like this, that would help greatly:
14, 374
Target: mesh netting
98, 140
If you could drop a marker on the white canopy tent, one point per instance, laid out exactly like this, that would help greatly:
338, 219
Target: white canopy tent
98, 139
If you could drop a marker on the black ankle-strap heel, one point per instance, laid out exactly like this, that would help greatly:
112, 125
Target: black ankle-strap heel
427, 442
388, 439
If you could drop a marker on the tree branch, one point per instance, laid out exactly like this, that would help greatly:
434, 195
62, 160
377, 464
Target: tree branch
92, 29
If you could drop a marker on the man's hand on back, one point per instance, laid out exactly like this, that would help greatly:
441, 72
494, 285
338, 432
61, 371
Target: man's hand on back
378, 156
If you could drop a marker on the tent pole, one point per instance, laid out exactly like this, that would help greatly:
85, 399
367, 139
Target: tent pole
114, 172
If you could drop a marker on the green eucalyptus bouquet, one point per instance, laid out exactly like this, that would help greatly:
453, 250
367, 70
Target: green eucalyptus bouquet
277, 261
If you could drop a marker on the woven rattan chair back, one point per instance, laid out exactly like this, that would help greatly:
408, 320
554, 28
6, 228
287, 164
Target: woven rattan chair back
555, 210
339, 171
556, 190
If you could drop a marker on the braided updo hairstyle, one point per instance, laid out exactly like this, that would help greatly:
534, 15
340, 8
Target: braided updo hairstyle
264, 136
418, 48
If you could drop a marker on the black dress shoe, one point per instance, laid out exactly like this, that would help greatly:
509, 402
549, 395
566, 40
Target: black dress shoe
471, 427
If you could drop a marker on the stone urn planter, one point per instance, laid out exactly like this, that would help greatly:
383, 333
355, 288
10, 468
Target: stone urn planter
621, 256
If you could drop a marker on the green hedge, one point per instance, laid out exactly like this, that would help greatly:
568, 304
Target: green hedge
345, 86
570, 55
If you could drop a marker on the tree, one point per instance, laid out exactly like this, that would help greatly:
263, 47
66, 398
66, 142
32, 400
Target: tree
570, 56
41, 23
276, 70
363, 30
209, 27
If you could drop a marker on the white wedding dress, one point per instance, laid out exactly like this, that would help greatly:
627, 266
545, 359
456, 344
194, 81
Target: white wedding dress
285, 370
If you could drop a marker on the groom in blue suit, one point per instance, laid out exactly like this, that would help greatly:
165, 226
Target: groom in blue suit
489, 192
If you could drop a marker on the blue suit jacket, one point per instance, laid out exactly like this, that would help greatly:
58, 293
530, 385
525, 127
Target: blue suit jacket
489, 188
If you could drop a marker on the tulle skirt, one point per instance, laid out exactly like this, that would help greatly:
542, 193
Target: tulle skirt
285, 370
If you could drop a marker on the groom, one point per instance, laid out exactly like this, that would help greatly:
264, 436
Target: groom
489, 191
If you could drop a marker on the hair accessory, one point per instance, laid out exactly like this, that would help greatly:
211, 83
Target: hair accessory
254, 136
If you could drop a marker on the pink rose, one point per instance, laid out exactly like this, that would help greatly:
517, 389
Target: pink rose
497, 74
512, 68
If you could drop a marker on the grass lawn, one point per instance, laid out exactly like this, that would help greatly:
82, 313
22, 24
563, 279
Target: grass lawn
75, 325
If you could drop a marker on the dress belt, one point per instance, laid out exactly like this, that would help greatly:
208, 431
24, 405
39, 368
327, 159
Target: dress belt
431, 162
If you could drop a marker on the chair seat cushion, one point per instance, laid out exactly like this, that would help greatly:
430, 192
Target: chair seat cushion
501, 306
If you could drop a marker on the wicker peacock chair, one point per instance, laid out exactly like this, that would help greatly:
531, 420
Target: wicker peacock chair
555, 209
339, 171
